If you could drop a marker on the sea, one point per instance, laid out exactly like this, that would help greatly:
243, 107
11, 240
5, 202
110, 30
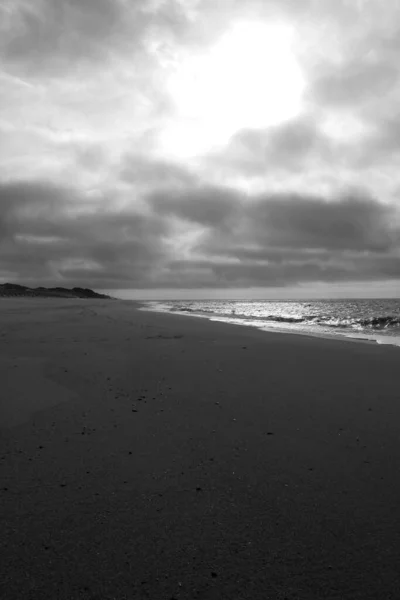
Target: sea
371, 320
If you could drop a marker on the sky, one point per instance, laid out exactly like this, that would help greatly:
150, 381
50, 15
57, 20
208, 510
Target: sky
194, 148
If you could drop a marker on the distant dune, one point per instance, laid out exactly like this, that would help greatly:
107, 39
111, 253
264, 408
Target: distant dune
13, 289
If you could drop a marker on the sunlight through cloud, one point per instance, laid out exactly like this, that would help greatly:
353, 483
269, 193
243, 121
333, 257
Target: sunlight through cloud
249, 79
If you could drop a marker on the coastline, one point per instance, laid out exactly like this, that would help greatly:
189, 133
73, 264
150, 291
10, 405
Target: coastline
150, 456
354, 337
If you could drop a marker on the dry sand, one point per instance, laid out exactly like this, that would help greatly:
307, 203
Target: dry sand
147, 455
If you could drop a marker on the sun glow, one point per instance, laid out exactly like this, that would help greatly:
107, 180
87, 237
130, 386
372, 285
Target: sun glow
249, 79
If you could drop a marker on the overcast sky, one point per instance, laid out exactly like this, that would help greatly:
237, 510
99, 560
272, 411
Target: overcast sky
201, 145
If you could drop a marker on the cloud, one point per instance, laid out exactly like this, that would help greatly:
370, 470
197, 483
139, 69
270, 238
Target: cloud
140, 170
215, 207
49, 36
290, 146
279, 240
89, 195
353, 222
356, 82
50, 234
44, 35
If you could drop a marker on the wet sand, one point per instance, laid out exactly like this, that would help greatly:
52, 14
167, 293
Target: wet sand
148, 455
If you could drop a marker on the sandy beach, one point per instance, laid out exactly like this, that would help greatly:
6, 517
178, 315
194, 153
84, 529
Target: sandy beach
149, 455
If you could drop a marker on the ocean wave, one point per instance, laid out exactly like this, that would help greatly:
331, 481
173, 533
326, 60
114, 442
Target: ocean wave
377, 322
181, 309
374, 322
381, 322
196, 310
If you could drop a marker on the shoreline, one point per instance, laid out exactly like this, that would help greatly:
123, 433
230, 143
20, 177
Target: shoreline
275, 329
147, 456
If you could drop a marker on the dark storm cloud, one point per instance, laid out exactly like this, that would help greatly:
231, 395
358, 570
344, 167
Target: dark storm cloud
274, 240
42, 225
283, 239
276, 274
216, 207
352, 223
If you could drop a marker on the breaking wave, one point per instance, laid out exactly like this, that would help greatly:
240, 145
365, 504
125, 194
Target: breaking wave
377, 322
